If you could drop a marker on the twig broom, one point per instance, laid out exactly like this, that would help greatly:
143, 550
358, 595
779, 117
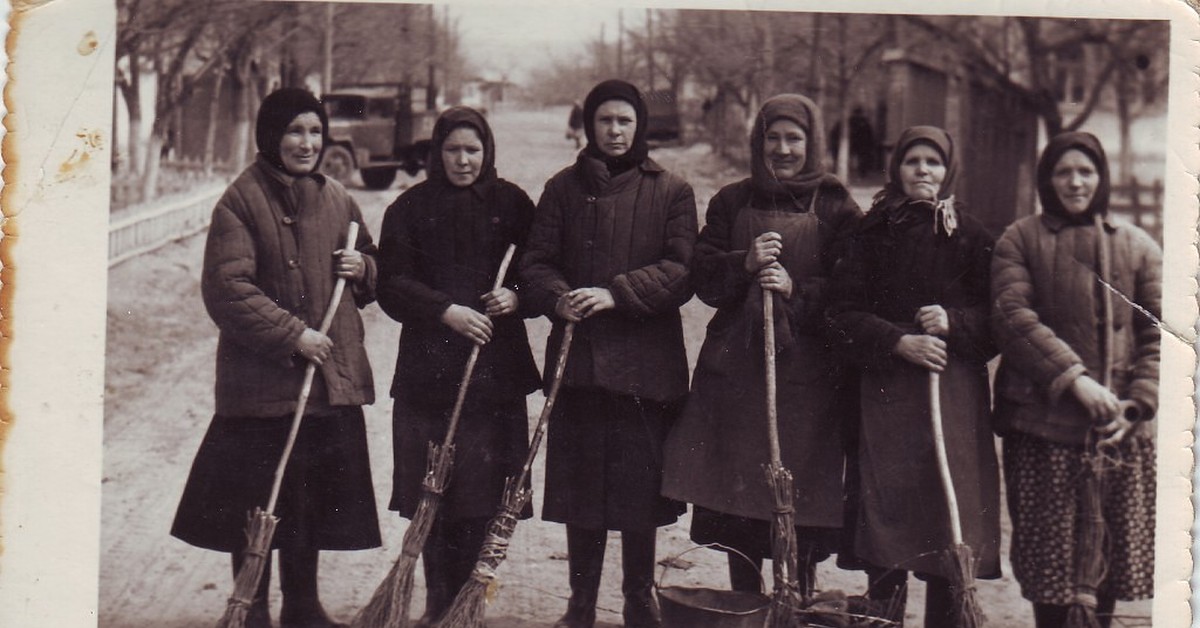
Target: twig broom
261, 527
959, 559
786, 599
469, 605
388, 606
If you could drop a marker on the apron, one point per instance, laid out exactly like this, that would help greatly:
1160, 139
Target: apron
716, 454
903, 522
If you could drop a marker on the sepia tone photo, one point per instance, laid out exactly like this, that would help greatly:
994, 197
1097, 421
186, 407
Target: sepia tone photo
633, 316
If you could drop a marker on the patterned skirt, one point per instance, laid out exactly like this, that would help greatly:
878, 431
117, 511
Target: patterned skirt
1043, 500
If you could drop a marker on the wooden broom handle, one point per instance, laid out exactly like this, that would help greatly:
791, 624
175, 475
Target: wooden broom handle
461, 398
539, 431
309, 372
769, 349
943, 462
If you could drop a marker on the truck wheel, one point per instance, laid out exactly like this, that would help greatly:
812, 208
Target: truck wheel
378, 178
338, 164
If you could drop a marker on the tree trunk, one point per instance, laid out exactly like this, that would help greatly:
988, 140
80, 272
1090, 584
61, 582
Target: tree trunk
150, 176
210, 133
132, 94
843, 148
1124, 121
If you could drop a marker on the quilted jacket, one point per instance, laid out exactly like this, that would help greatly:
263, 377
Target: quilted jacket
268, 275
1048, 321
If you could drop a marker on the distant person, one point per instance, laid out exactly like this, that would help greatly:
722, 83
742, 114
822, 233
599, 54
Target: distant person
575, 124
782, 230
273, 254
1052, 405
862, 143
911, 298
439, 252
610, 247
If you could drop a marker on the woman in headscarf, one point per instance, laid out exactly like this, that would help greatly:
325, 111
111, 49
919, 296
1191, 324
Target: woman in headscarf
781, 229
273, 255
1048, 288
440, 250
913, 299
609, 250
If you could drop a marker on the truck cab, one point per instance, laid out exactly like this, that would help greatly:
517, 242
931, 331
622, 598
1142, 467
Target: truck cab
376, 130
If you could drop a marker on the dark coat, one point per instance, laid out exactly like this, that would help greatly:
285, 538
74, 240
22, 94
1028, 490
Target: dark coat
715, 453
897, 264
633, 234
442, 245
268, 275
1048, 314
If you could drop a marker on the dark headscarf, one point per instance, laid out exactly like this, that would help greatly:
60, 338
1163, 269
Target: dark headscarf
615, 89
276, 112
1088, 145
805, 113
456, 118
892, 203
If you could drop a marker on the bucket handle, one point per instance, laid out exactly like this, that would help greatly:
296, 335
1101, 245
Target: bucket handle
718, 546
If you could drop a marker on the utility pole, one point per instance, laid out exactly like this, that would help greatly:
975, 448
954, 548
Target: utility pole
621, 43
649, 50
431, 85
327, 73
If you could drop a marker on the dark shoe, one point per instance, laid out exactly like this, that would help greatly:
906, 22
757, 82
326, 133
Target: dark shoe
585, 556
311, 618
258, 615
298, 582
577, 618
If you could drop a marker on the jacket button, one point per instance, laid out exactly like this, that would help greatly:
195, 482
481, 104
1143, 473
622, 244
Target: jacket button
293, 264
591, 199
289, 221
587, 244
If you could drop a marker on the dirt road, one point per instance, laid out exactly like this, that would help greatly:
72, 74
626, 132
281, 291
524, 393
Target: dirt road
159, 378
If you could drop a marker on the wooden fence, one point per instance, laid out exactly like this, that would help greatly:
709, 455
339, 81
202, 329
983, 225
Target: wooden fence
1141, 204
138, 229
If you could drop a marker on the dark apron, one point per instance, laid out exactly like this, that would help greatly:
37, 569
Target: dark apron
903, 521
716, 453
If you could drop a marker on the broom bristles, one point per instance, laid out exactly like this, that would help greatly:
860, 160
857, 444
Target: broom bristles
259, 531
960, 564
389, 605
469, 608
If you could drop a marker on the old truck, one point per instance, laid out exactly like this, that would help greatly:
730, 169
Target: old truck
377, 130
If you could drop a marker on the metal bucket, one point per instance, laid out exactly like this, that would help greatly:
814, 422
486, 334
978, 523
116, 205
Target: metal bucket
687, 607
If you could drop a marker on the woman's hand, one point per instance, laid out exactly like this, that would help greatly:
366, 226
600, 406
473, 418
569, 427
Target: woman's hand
775, 277
350, 264
500, 302
468, 323
933, 320
314, 346
925, 351
764, 250
589, 301
1115, 430
1100, 402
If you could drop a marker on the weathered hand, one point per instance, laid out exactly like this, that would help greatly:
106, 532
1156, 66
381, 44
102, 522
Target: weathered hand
1100, 402
350, 264
775, 277
589, 301
764, 250
925, 351
468, 323
314, 346
934, 320
500, 302
565, 310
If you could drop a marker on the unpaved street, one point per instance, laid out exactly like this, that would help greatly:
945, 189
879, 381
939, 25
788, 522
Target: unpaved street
161, 347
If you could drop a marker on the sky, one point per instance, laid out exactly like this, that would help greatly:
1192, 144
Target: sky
514, 39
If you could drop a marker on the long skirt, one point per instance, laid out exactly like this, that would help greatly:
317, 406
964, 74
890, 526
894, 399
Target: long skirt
326, 501
489, 447
604, 458
1042, 479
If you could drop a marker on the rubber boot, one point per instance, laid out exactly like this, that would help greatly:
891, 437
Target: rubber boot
637, 565
436, 565
940, 611
298, 582
887, 589
585, 556
258, 615
745, 575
